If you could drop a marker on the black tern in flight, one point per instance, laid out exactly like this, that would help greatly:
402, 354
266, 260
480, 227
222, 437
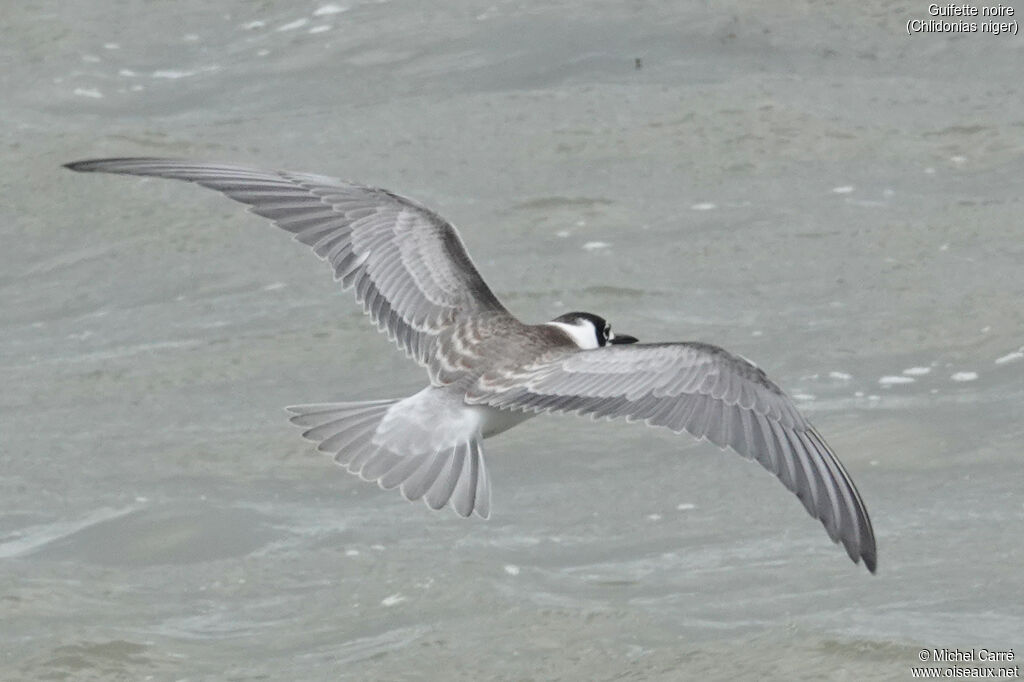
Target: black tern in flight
488, 371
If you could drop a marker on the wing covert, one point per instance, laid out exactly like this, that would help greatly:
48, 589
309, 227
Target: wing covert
408, 266
708, 392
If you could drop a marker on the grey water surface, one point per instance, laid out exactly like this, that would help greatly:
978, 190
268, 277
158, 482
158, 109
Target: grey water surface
802, 183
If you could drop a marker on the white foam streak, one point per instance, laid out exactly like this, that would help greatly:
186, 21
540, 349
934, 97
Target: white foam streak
291, 26
33, 538
325, 10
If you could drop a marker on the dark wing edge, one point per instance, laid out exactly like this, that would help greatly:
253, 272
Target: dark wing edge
711, 394
408, 267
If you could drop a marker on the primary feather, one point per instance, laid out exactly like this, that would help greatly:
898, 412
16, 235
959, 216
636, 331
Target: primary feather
411, 273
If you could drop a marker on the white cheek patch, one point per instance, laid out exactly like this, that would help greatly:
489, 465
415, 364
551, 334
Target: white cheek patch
583, 336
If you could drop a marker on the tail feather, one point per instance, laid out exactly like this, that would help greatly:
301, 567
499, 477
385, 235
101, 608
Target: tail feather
346, 445
381, 463
473, 490
465, 488
344, 430
401, 471
417, 485
364, 448
320, 413
353, 434
339, 425
444, 485
482, 494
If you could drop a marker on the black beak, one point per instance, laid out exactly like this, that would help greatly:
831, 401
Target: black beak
623, 338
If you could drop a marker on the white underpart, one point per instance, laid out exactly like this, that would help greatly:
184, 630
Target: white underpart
430, 420
494, 421
438, 418
582, 334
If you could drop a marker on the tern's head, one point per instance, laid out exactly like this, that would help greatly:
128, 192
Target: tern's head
589, 330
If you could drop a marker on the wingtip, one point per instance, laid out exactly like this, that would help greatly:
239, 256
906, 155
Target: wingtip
866, 552
870, 562
868, 549
90, 165
108, 165
868, 555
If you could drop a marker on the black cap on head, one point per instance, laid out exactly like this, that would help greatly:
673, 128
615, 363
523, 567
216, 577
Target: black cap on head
571, 318
602, 329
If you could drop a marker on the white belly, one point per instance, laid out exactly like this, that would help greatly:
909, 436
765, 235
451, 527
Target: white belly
437, 418
494, 421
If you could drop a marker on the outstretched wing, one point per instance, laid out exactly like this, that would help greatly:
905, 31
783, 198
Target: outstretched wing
708, 392
408, 265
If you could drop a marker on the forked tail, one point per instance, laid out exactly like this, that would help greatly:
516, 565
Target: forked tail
382, 441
